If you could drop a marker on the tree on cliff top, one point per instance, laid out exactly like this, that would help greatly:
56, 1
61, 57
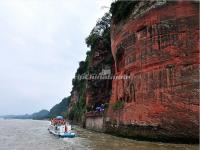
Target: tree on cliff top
100, 31
121, 10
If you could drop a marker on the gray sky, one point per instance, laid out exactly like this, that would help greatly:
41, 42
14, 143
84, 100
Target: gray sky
41, 43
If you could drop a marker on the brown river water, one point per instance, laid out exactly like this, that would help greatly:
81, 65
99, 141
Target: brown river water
33, 135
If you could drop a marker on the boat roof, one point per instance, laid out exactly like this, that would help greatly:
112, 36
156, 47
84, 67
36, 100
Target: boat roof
59, 117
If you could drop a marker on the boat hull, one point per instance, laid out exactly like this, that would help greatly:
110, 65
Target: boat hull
63, 135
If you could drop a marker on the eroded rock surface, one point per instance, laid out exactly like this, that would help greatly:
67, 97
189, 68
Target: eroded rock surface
158, 48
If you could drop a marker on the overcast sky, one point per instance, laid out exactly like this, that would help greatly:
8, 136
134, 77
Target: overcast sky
41, 43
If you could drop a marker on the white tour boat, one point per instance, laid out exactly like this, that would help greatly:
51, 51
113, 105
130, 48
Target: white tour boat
60, 127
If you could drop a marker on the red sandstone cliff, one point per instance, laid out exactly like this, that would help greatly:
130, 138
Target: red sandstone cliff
158, 47
99, 91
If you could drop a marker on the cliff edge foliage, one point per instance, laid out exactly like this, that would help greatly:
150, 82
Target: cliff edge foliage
121, 10
97, 58
60, 108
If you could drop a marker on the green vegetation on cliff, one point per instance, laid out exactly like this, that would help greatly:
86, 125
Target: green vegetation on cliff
121, 10
118, 105
97, 57
60, 109
100, 32
78, 110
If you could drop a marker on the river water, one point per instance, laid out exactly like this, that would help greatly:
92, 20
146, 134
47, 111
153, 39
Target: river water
33, 135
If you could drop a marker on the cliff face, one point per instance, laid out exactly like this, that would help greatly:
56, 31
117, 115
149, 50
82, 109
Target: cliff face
158, 48
155, 44
89, 91
99, 90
